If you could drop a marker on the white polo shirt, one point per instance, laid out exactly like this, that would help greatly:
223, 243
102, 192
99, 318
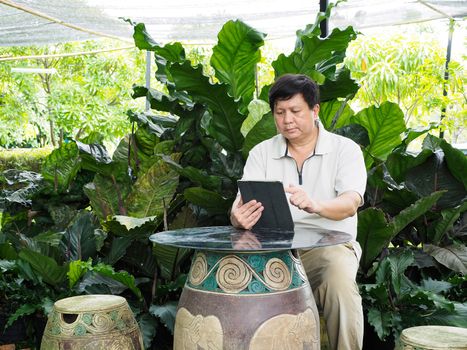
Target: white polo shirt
337, 166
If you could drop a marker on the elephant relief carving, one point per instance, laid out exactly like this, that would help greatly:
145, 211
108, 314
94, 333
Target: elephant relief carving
287, 332
197, 332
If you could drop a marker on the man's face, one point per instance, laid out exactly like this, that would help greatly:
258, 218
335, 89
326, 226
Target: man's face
294, 118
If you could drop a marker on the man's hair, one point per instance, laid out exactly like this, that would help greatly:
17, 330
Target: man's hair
289, 85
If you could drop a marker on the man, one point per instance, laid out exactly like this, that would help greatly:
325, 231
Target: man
326, 177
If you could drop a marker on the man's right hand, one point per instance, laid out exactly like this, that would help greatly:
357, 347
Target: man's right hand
245, 215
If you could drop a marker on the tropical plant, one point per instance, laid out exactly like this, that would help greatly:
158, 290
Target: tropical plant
179, 167
409, 71
399, 201
395, 301
88, 93
43, 214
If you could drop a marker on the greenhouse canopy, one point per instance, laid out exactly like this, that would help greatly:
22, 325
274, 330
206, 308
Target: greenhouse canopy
37, 22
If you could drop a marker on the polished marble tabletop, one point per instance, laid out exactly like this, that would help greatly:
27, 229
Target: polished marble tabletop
229, 238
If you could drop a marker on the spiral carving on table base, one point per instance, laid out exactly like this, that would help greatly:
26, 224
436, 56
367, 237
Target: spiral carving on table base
233, 275
248, 273
199, 269
276, 274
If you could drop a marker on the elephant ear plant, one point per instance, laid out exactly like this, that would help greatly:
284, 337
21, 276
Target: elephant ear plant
52, 245
412, 223
83, 224
214, 127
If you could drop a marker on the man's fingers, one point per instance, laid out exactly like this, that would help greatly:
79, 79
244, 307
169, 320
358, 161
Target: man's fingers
292, 189
252, 218
250, 207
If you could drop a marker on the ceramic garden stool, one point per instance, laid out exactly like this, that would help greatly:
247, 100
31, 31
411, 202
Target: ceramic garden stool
92, 322
434, 338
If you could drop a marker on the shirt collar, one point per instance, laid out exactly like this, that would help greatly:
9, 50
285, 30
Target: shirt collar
323, 144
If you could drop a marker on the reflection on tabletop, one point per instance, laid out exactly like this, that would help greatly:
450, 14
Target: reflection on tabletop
230, 238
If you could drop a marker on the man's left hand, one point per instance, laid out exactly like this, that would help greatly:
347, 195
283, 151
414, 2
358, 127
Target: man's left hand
300, 199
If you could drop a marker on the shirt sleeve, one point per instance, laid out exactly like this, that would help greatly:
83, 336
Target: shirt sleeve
255, 166
351, 171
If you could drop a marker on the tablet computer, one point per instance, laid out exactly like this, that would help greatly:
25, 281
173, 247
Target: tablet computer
276, 214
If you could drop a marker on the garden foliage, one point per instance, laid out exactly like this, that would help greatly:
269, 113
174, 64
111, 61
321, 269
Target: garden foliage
82, 225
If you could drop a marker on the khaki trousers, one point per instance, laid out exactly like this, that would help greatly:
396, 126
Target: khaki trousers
332, 271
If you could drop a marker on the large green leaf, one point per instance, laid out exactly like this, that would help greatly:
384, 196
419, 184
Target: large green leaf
22, 311
413, 133
453, 256
47, 268
107, 195
235, 56
256, 110
61, 166
335, 114
166, 313
435, 286
314, 29
412, 212
165, 56
20, 186
448, 218
156, 124
213, 202
384, 125
374, 234
118, 249
354, 132
105, 276
456, 161
131, 160
197, 176
7, 251
128, 226
169, 259
226, 120
141, 258
148, 326
121, 276
263, 130
314, 50
159, 100
152, 191
399, 263
76, 270
341, 85
81, 239
95, 151
398, 163
143, 39
434, 175
381, 321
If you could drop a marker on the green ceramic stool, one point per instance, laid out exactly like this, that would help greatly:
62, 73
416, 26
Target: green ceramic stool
97, 322
434, 338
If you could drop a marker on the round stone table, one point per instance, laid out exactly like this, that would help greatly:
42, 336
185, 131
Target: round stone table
247, 290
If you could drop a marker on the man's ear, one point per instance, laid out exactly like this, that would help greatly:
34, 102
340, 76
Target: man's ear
316, 112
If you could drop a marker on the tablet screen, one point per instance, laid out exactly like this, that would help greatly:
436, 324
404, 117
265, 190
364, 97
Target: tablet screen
276, 213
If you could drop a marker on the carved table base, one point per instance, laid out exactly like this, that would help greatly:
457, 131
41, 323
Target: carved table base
246, 300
